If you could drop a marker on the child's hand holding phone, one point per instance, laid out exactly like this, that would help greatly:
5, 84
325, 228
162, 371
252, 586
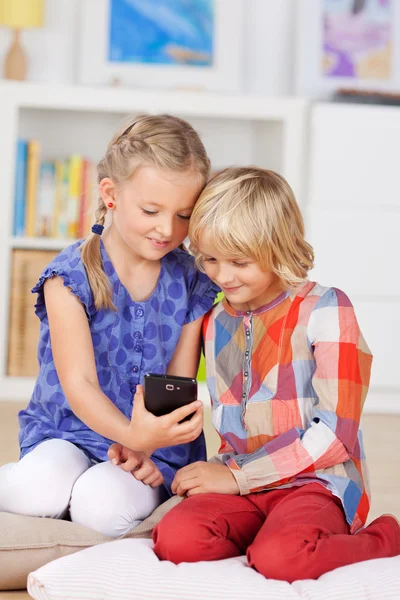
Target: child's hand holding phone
147, 432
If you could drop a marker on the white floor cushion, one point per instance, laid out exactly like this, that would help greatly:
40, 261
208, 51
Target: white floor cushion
129, 570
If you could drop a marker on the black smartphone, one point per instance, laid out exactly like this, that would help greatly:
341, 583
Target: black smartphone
165, 393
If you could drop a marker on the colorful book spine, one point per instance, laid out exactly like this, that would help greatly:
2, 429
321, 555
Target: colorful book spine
58, 182
75, 186
63, 220
84, 198
46, 196
20, 187
32, 177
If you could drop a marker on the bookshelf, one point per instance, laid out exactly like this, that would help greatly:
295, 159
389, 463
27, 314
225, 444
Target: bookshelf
236, 129
38, 243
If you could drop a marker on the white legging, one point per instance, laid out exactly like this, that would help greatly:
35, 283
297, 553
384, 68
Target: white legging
57, 476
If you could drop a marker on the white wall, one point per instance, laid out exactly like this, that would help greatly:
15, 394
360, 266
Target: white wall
267, 54
269, 47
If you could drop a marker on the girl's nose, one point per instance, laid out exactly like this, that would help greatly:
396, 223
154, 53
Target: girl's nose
165, 228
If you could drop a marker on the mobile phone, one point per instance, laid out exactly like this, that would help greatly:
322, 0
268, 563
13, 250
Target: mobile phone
165, 393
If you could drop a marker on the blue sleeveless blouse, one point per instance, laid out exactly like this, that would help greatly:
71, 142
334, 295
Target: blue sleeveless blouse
137, 338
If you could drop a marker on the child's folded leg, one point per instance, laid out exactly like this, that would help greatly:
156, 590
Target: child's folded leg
207, 527
306, 535
40, 484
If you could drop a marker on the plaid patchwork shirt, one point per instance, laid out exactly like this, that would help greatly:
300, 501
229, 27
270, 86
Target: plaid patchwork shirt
288, 382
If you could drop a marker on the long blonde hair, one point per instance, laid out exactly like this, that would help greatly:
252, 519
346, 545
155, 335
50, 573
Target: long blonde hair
252, 212
160, 141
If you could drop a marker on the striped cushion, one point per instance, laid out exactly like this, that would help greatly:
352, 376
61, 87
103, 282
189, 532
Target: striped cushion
129, 570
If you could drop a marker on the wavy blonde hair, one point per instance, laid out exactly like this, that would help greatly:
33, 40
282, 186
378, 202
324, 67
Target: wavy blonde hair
161, 141
251, 212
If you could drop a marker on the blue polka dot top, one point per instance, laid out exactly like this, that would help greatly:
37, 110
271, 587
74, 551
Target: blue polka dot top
138, 338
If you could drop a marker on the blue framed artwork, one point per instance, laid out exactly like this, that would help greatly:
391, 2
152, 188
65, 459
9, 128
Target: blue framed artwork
162, 32
162, 43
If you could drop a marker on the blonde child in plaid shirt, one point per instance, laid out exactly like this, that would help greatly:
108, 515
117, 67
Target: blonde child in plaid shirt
288, 373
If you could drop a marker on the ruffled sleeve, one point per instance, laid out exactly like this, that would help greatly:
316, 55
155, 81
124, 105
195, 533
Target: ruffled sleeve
67, 265
202, 295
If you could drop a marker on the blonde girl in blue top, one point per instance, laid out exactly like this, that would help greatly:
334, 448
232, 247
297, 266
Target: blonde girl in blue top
112, 308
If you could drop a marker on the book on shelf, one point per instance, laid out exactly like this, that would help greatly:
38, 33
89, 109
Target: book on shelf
75, 187
58, 197
23, 332
64, 192
20, 187
46, 199
52, 198
32, 177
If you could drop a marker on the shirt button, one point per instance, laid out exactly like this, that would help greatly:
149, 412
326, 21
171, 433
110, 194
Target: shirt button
247, 333
246, 374
248, 312
137, 347
135, 369
247, 352
243, 395
139, 312
137, 335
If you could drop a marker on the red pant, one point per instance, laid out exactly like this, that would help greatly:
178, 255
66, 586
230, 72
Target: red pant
289, 534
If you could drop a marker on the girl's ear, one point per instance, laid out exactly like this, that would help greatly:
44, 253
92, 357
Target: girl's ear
107, 190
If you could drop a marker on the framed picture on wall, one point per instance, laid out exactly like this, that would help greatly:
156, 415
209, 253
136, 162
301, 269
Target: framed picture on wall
193, 44
352, 44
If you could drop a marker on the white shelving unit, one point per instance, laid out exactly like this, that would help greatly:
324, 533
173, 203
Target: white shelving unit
353, 223
38, 243
236, 129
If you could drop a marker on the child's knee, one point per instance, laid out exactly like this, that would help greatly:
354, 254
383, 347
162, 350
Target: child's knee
111, 501
281, 556
40, 484
179, 538
110, 520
